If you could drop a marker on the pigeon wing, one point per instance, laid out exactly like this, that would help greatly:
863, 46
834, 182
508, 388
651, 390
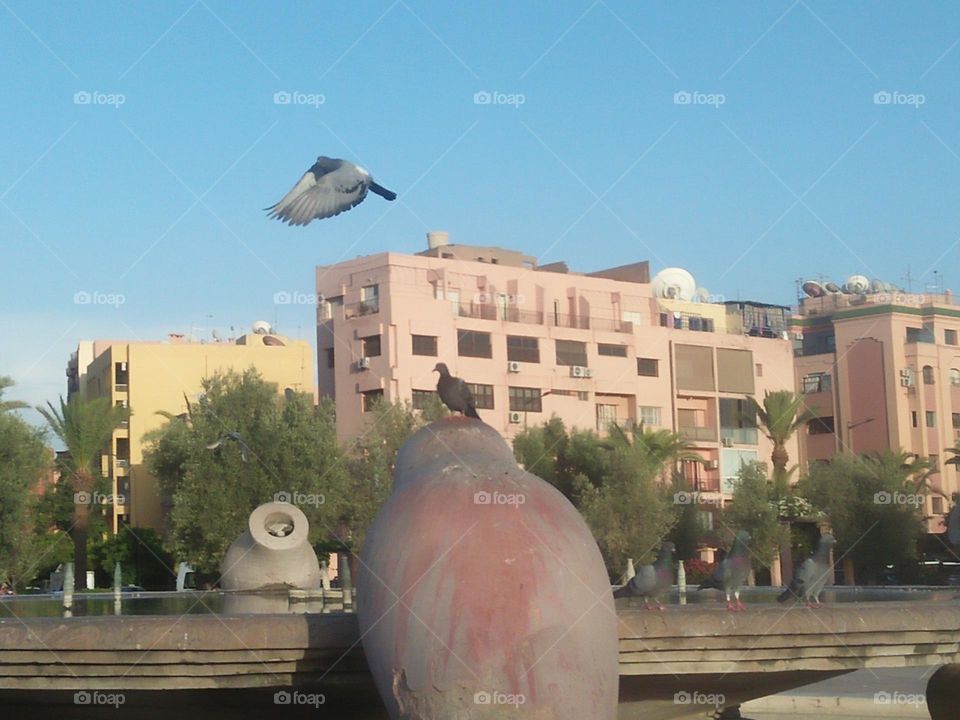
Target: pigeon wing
320, 194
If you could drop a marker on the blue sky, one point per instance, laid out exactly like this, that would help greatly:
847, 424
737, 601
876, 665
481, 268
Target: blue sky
782, 164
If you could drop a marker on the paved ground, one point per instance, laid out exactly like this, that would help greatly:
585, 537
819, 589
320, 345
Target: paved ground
862, 695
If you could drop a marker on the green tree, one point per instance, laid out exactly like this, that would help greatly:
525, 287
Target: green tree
874, 503
85, 427
8, 405
23, 458
687, 530
780, 416
292, 448
754, 509
143, 559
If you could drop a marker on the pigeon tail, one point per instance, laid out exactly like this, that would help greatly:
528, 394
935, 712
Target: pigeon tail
711, 582
471, 411
382, 191
622, 592
786, 595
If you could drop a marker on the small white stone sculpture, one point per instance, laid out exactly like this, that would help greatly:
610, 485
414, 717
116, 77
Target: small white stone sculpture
274, 552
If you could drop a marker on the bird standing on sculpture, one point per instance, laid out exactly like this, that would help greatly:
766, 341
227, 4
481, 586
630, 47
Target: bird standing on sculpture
731, 574
651, 582
328, 188
454, 392
811, 576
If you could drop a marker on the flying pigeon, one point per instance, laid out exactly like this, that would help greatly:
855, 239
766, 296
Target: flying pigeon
732, 572
235, 436
811, 576
652, 581
454, 392
328, 188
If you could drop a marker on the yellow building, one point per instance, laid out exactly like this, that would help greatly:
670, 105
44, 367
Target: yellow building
157, 376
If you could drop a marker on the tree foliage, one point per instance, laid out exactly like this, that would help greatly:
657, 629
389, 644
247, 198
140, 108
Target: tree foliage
754, 509
874, 503
780, 416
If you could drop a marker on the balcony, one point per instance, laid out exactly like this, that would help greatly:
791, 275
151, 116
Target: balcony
123, 462
699, 432
538, 317
362, 308
121, 388
739, 436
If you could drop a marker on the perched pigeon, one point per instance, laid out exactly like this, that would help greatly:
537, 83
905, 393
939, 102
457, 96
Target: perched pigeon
811, 576
235, 436
732, 572
454, 392
652, 581
326, 189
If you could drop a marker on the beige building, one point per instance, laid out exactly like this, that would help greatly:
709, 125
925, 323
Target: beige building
534, 341
157, 376
882, 369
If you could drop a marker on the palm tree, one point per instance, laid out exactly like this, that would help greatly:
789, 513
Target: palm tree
663, 447
7, 405
781, 414
85, 427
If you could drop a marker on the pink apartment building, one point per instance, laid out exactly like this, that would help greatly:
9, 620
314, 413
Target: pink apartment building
882, 370
536, 341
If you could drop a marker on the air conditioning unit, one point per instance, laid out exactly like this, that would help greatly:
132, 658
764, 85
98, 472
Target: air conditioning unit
513, 366
363, 363
578, 371
726, 442
710, 465
516, 417
906, 382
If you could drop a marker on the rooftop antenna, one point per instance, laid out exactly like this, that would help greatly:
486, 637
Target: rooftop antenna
908, 279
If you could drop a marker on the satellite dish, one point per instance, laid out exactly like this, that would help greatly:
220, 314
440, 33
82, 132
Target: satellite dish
832, 287
877, 285
216, 335
261, 327
953, 526
274, 341
813, 289
675, 284
702, 295
857, 285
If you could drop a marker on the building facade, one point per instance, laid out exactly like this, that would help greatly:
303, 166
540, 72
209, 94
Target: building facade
150, 377
536, 341
882, 370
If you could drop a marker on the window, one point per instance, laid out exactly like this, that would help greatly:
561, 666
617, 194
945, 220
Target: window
330, 356
454, 297
369, 299
331, 305
571, 352
695, 322
606, 414
735, 371
931, 419
920, 335
738, 414
524, 399
521, 348
611, 350
121, 376
759, 369
664, 320
955, 377
955, 417
816, 382
950, 337
649, 415
913, 418
578, 394
371, 398
694, 367
482, 396
634, 318
474, 344
420, 399
934, 461
927, 375
821, 425
648, 367
425, 345
370, 346
936, 505
705, 519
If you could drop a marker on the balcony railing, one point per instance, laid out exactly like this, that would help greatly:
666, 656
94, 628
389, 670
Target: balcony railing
739, 436
699, 432
123, 462
538, 317
360, 309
